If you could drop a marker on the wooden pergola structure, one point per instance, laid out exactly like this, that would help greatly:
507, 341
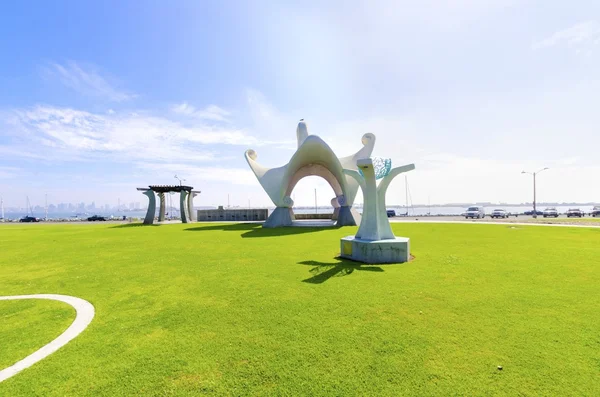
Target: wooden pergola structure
186, 201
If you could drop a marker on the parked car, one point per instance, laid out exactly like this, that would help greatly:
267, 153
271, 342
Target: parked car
537, 212
595, 211
475, 212
391, 213
96, 218
574, 212
499, 213
550, 212
29, 219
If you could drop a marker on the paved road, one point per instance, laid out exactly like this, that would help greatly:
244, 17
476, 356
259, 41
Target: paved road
520, 220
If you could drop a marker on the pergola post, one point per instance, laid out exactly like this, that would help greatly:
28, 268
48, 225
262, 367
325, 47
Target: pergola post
149, 219
192, 214
161, 213
183, 206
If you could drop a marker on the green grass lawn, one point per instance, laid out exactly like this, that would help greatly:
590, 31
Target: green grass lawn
40, 320
237, 310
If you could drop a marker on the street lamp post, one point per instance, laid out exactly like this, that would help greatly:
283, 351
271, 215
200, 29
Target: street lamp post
179, 179
534, 190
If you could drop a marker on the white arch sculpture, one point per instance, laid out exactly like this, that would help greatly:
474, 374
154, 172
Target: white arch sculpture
313, 157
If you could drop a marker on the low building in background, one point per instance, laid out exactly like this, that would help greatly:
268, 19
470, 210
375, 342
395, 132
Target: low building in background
233, 214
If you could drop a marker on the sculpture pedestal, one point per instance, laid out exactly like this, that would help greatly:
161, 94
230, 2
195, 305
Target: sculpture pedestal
281, 216
347, 216
379, 251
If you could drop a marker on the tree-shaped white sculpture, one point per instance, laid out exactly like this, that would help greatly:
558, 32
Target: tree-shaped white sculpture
374, 242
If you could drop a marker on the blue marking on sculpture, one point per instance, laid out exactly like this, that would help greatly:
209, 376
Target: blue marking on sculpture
381, 166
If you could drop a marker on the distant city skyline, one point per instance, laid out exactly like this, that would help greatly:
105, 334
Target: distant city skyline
96, 104
138, 206
82, 206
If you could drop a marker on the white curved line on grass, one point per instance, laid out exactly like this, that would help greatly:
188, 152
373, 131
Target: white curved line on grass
84, 316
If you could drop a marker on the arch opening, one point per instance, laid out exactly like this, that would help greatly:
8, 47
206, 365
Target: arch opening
314, 196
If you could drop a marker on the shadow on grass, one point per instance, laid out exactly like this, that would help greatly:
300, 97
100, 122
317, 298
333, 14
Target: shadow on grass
342, 267
256, 229
126, 225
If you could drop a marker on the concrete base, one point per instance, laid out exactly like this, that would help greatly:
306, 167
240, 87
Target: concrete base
313, 223
347, 217
336, 212
380, 251
282, 216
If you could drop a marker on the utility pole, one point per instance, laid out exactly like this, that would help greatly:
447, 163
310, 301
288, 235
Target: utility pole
534, 197
316, 207
227, 200
46, 207
534, 189
1, 209
428, 205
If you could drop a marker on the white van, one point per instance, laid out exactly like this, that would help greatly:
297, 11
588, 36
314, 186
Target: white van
475, 212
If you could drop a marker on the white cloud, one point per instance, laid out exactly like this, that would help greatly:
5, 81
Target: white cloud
260, 108
273, 126
201, 174
8, 172
580, 34
130, 136
489, 172
135, 148
157, 146
211, 112
86, 80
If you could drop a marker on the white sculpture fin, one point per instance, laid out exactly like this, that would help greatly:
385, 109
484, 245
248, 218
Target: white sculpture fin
301, 132
357, 177
368, 141
271, 179
349, 162
385, 182
258, 169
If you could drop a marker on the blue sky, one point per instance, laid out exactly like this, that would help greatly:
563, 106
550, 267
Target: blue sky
99, 98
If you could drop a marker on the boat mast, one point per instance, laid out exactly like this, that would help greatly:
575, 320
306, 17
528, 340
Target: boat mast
406, 190
28, 208
429, 205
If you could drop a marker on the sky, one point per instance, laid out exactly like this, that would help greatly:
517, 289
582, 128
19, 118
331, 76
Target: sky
98, 98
